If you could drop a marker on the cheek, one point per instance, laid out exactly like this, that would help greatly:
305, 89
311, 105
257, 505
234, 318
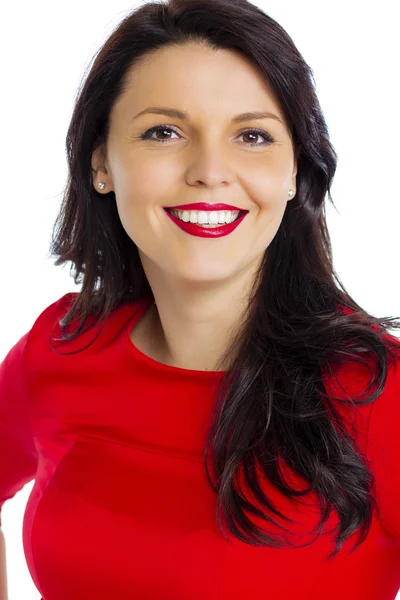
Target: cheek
133, 221
268, 185
269, 195
141, 174
151, 184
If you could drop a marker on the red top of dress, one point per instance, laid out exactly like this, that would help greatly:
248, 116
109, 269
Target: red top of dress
121, 507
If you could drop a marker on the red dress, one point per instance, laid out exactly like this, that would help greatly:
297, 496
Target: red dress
121, 507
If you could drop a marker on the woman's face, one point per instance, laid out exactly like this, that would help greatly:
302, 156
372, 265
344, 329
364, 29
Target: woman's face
206, 157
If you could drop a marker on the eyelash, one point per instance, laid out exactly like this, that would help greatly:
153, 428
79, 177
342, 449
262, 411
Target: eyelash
147, 135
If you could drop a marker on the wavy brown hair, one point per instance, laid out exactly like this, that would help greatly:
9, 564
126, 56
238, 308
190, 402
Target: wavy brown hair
272, 401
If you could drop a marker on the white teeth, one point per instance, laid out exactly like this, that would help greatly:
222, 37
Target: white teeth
203, 217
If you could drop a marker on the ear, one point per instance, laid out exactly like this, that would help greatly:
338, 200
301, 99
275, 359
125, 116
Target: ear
296, 160
101, 171
294, 173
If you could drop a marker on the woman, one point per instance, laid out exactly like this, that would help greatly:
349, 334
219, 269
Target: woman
211, 416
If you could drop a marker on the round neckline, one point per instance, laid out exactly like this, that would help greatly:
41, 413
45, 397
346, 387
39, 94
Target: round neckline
140, 307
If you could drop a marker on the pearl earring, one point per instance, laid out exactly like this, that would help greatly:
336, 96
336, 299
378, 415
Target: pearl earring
291, 193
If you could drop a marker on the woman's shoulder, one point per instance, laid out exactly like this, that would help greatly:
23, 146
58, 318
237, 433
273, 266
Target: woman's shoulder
375, 426
57, 310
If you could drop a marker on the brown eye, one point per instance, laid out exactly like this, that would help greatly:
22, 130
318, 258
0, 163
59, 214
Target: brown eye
254, 133
163, 129
250, 134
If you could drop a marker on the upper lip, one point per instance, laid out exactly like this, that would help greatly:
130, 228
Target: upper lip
205, 206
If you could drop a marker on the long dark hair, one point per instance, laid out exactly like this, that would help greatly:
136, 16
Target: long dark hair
272, 401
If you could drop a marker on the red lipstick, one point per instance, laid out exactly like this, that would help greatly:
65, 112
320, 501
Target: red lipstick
204, 232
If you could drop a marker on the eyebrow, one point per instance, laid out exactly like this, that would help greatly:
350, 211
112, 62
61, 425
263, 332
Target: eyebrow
178, 114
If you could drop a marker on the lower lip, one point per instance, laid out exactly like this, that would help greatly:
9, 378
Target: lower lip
204, 232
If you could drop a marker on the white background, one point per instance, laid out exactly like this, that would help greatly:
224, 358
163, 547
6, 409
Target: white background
353, 48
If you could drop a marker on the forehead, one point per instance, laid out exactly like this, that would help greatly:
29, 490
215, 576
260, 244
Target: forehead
203, 82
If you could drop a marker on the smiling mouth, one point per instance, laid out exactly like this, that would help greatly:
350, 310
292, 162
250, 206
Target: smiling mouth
241, 213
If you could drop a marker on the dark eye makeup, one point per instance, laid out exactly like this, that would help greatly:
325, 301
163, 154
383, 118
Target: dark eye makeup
146, 135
